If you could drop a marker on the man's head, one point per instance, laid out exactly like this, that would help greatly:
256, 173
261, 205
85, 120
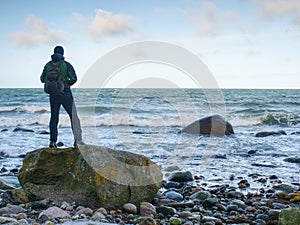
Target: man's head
59, 49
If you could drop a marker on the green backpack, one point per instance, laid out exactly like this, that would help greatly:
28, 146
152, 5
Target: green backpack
53, 81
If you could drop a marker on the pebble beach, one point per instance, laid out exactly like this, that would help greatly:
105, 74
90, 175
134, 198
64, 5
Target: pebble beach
184, 198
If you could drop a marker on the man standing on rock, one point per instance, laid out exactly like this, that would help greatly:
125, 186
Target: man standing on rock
67, 77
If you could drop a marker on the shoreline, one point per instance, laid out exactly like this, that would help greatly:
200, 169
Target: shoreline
184, 201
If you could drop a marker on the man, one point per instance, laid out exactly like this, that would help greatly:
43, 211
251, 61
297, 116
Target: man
68, 76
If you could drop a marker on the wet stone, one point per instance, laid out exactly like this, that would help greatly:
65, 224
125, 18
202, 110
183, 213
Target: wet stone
231, 207
166, 210
210, 219
277, 205
175, 221
145, 221
273, 214
44, 132
147, 209
173, 195
20, 129
200, 195
293, 159
235, 194
97, 216
283, 187
85, 211
181, 176
251, 152
262, 216
210, 202
130, 208
185, 214
11, 209
273, 177
172, 184
239, 203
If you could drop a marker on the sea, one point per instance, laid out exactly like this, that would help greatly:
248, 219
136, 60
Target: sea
149, 121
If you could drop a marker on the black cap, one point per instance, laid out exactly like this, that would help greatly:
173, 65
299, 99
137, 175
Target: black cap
59, 50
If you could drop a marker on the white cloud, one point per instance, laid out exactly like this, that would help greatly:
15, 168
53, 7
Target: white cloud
36, 33
106, 23
209, 18
278, 8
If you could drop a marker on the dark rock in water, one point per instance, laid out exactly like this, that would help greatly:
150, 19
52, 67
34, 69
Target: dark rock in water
3, 170
273, 177
3, 155
270, 133
60, 144
21, 156
295, 133
251, 152
263, 165
4, 130
44, 132
292, 159
15, 170
92, 176
20, 129
181, 176
212, 125
220, 156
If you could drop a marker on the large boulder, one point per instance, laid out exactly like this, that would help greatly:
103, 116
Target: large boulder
289, 216
91, 175
214, 125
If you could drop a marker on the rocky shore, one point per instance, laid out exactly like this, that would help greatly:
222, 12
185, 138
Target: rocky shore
183, 199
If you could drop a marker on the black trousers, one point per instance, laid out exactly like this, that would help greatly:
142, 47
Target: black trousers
67, 101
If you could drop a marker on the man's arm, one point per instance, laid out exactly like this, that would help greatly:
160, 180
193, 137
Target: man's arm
43, 76
71, 75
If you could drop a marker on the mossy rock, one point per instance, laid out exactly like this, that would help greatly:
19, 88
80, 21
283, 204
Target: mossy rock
290, 216
93, 176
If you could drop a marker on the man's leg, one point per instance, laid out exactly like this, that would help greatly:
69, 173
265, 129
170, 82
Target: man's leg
54, 107
69, 106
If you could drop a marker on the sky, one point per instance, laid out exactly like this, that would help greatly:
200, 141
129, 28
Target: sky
243, 43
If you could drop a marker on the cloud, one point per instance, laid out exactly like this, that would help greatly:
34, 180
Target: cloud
106, 24
210, 19
278, 8
36, 33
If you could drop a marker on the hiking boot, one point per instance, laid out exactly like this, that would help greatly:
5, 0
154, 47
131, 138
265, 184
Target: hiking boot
76, 143
52, 144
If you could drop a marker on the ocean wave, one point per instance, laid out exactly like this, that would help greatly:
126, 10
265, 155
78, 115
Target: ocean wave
41, 115
24, 109
102, 120
280, 119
